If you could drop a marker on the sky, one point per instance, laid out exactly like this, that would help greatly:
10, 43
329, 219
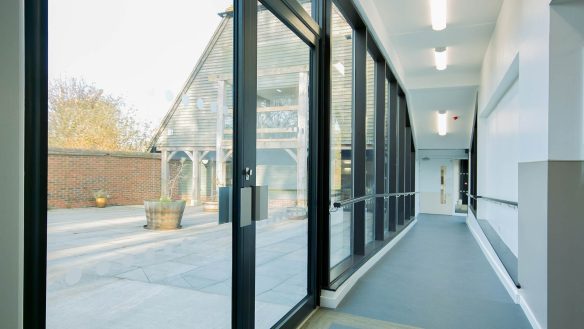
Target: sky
140, 50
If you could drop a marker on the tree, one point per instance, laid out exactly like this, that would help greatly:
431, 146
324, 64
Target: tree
81, 116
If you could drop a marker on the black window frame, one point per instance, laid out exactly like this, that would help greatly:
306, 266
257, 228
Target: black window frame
314, 29
397, 116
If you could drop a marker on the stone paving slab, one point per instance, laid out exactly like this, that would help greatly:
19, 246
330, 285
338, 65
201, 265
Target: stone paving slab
106, 271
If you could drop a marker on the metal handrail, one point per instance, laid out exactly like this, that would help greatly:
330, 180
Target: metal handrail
340, 204
500, 201
470, 196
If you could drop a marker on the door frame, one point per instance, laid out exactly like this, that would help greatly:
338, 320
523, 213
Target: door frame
302, 24
35, 163
245, 53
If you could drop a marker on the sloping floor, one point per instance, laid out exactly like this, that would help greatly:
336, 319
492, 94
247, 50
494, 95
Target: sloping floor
436, 277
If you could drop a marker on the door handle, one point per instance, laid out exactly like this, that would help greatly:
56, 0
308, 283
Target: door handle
260, 202
253, 204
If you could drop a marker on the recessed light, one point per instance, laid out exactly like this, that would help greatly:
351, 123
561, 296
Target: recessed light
440, 58
438, 10
442, 123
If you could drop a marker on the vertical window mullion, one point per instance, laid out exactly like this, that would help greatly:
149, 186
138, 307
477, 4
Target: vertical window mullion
413, 178
379, 147
244, 147
359, 137
322, 83
400, 157
407, 172
392, 116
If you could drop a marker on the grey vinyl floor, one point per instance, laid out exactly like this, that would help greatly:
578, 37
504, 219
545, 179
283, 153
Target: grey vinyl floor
435, 277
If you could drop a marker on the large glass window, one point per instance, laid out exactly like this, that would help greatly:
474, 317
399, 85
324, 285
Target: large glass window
386, 168
139, 164
341, 135
370, 150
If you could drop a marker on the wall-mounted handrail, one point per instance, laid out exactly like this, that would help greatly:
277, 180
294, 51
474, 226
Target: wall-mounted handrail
500, 201
340, 204
494, 200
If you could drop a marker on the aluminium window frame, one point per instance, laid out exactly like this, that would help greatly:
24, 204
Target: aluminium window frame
36, 88
36, 153
35, 163
291, 14
397, 149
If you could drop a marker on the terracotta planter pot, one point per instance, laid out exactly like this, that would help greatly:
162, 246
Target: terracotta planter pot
165, 215
100, 202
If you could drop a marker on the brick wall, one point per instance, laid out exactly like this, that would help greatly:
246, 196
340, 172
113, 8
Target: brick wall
74, 175
128, 178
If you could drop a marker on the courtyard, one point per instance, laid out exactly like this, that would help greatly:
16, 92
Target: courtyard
103, 259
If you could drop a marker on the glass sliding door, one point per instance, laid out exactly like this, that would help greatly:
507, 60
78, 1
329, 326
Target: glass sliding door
271, 196
171, 125
283, 80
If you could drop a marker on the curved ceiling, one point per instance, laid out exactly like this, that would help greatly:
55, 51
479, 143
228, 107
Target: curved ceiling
403, 27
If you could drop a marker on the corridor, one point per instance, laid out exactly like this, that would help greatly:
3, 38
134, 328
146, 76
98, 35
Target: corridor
435, 277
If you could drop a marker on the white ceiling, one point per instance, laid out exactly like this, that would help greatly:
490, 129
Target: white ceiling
404, 29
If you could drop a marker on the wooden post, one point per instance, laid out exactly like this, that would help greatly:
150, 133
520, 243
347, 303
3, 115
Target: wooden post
164, 174
302, 151
195, 178
219, 156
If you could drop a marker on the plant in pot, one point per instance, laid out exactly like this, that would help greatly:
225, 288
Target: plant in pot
166, 213
101, 197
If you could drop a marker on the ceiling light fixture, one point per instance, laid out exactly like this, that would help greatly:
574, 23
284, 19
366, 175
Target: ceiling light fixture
438, 12
440, 58
442, 123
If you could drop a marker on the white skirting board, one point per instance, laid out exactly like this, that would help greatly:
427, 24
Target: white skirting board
499, 269
332, 299
529, 313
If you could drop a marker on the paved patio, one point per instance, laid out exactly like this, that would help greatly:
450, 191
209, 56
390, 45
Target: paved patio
106, 271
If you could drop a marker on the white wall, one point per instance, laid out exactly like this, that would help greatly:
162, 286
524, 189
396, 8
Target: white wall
11, 162
498, 147
566, 119
518, 54
429, 186
522, 34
